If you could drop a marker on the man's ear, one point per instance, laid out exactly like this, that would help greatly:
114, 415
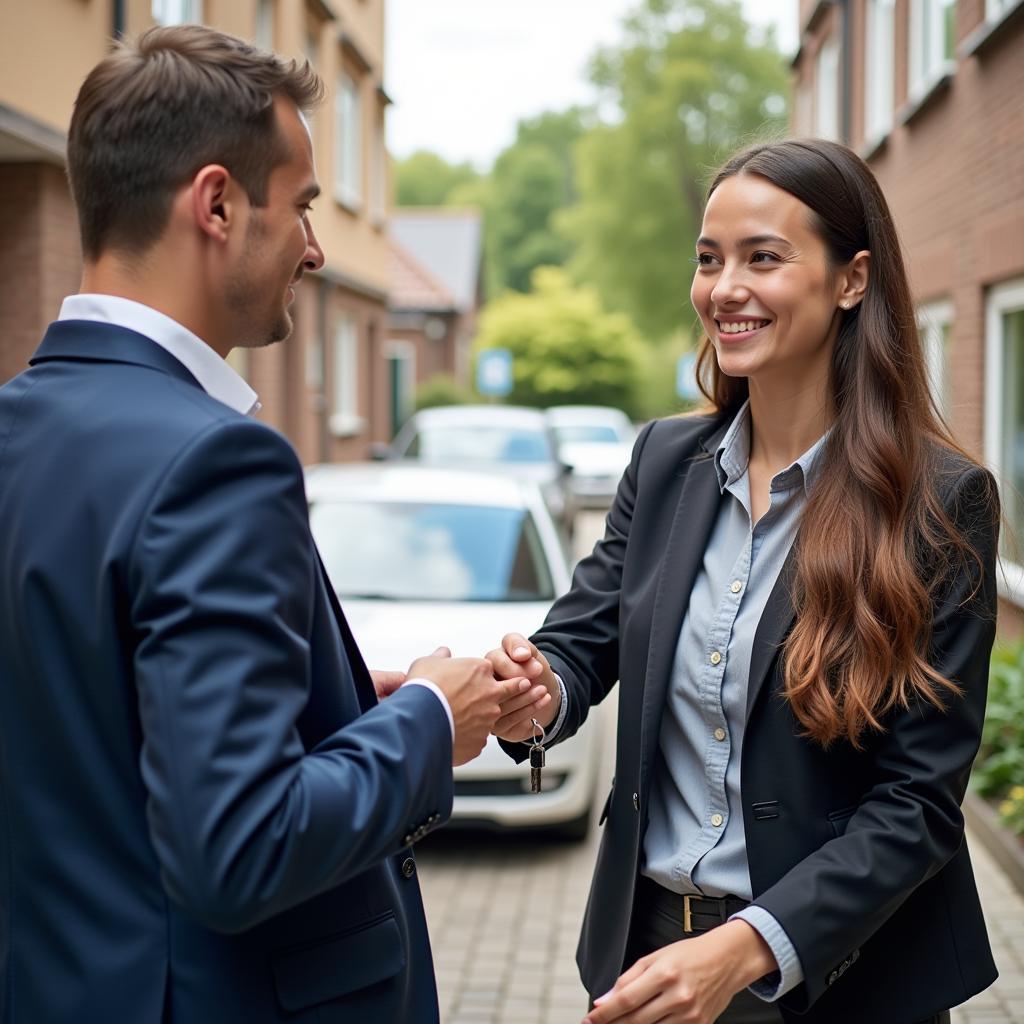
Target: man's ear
214, 196
855, 279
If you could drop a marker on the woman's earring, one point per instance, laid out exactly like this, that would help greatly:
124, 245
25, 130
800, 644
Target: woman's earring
845, 304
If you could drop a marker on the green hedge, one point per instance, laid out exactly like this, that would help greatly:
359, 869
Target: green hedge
999, 769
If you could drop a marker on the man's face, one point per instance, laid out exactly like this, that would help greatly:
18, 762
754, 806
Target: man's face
279, 243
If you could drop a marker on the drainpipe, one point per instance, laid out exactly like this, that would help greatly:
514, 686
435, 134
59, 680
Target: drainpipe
118, 18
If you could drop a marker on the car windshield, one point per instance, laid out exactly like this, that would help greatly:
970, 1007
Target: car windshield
479, 442
402, 551
586, 433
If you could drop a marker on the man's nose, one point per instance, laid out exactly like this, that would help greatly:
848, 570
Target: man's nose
313, 259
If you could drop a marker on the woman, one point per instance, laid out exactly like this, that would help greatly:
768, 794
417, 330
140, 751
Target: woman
797, 593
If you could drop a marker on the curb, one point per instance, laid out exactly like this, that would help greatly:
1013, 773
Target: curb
1005, 848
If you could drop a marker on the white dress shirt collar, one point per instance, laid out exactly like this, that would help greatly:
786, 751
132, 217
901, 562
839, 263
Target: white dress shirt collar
214, 375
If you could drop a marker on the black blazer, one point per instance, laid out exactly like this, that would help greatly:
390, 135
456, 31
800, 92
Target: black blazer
860, 855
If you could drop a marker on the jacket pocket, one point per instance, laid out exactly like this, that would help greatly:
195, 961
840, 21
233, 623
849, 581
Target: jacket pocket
339, 964
840, 819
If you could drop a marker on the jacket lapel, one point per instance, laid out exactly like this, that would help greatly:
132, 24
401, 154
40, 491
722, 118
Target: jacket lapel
696, 511
772, 628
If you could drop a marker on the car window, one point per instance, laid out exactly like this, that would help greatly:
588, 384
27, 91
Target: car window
431, 552
586, 433
480, 443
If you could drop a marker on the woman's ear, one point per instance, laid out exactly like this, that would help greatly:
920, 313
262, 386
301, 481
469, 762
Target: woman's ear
854, 280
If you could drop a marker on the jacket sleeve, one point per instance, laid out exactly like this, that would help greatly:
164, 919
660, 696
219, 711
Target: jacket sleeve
909, 823
246, 822
580, 635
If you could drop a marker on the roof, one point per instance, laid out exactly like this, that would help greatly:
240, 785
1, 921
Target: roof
447, 243
411, 286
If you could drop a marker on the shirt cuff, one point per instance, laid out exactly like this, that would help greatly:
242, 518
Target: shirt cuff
776, 984
563, 707
434, 688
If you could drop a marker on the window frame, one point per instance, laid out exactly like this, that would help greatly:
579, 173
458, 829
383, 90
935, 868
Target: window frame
932, 317
1002, 299
345, 420
927, 62
158, 10
879, 76
832, 129
348, 141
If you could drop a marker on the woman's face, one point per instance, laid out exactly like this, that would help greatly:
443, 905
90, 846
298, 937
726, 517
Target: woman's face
764, 289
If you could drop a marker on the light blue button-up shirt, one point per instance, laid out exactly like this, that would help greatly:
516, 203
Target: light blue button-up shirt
695, 840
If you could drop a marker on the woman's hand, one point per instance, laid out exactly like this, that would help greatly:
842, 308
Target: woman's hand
688, 982
517, 657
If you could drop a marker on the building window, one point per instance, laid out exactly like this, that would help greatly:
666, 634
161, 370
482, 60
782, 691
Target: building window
932, 42
933, 323
177, 12
401, 356
1004, 422
826, 92
264, 34
348, 151
345, 418
878, 70
995, 9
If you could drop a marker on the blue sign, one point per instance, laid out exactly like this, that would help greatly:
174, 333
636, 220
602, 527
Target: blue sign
494, 372
686, 378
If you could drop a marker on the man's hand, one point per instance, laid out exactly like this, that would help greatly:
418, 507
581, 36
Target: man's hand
688, 982
518, 658
385, 682
474, 696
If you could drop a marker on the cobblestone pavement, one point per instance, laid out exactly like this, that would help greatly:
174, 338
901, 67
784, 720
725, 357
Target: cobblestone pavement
504, 913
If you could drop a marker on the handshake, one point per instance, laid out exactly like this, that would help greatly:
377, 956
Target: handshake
499, 693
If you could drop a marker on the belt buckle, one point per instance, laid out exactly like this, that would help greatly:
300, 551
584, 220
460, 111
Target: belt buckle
687, 920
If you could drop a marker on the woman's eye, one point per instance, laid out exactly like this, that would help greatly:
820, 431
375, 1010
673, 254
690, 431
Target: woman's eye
764, 257
703, 259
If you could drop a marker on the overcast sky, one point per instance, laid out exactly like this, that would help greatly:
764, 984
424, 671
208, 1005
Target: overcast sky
463, 72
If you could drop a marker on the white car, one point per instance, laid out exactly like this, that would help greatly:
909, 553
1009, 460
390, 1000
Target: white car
597, 442
422, 557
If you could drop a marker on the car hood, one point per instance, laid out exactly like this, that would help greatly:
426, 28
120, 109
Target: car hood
392, 634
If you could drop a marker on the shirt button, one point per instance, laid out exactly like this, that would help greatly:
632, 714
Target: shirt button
719, 734
717, 820
736, 586
715, 657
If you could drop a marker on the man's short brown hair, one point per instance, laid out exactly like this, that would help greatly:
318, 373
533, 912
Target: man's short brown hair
152, 113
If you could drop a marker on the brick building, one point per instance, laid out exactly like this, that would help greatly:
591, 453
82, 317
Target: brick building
327, 387
931, 94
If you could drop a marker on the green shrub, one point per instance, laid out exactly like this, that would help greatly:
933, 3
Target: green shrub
999, 770
442, 389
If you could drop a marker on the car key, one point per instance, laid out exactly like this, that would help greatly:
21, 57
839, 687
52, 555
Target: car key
536, 757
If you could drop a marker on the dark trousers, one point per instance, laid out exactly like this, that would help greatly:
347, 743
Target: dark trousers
658, 923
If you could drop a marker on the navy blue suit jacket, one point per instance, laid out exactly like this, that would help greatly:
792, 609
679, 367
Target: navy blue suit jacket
203, 810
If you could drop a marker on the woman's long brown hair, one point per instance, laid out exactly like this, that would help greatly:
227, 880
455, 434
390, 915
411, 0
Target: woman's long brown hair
875, 545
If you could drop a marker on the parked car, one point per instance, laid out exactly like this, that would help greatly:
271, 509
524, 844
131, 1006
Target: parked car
423, 556
500, 438
597, 442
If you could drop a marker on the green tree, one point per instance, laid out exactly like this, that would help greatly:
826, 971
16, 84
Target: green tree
426, 179
691, 82
565, 347
532, 180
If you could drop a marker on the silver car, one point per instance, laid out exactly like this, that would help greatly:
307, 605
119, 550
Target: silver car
422, 557
596, 441
512, 440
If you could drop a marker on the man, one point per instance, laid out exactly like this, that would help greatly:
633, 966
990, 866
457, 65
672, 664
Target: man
205, 813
